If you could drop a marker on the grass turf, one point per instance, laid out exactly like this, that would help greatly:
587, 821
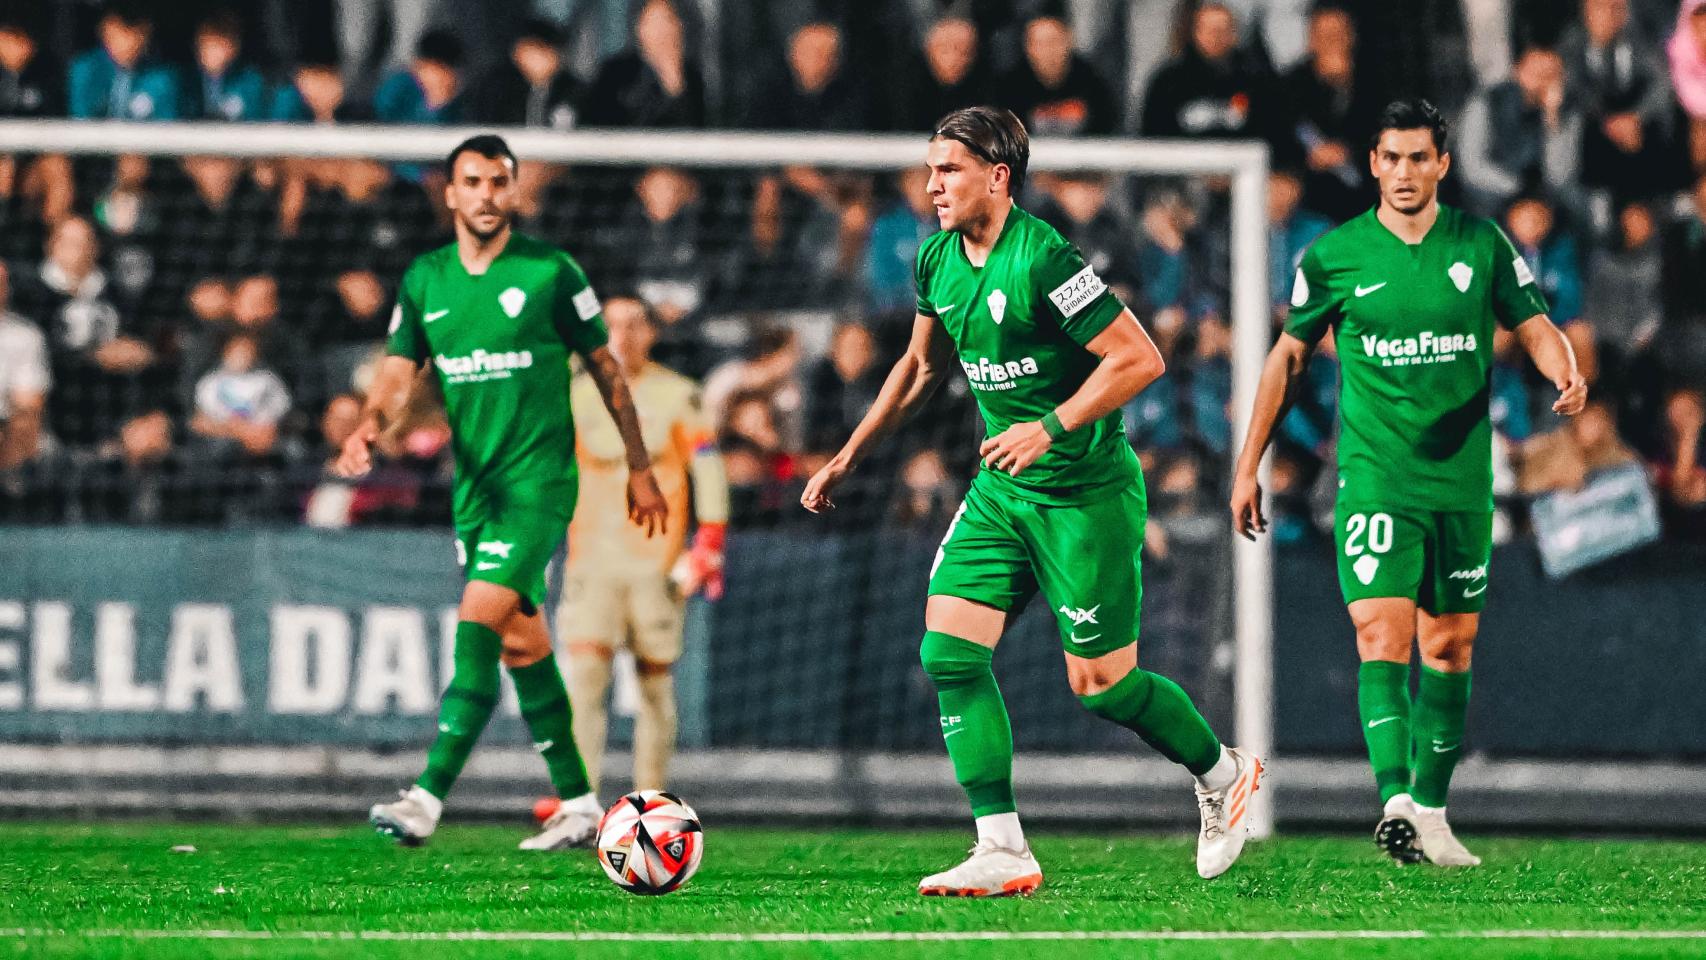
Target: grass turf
75, 879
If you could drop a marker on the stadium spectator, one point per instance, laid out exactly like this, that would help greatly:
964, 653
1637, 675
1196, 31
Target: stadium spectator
315, 94
429, 90
358, 32
818, 93
1682, 350
1519, 136
353, 213
109, 369
1212, 89
926, 494
892, 249
761, 467
118, 80
348, 322
769, 373
840, 386
32, 86
532, 88
218, 229
655, 84
1329, 113
656, 248
1056, 91
1552, 256
1624, 300
806, 242
24, 383
1687, 53
239, 404
951, 74
1164, 263
1291, 229
1078, 205
225, 88
1618, 79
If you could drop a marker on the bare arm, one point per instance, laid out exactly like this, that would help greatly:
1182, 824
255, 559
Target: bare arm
1550, 350
1274, 394
1129, 363
21, 435
912, 381
386, 399
646, 506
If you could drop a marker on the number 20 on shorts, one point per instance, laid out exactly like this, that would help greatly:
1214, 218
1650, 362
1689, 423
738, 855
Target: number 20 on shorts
1377, 527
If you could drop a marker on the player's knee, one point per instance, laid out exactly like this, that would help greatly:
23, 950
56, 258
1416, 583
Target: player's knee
524, 651
1448, 650
1090, 676
949, 661
1383, 639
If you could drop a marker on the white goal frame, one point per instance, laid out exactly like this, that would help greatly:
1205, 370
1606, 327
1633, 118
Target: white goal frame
1244, 163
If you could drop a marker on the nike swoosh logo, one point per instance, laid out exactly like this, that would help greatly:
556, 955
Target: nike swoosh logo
1440, 749
1363, 291
1075, 638
487, 565
1474, 593
439, 313
952, 732
942, 310
1375, 723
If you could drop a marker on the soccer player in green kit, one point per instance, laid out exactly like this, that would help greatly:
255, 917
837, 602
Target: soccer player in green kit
497, 314
1412, 290
1058, 505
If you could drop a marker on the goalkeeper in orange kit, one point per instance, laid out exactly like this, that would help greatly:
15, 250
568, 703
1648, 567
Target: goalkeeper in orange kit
623, 591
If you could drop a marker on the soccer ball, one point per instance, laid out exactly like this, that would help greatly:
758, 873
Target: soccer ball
650, 842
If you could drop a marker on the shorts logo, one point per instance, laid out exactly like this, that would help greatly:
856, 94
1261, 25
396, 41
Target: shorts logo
1365, 568
496, 548
1080, 616
512, 300
997, 307
1461, 273
485, 565
1079, 292
1473, 573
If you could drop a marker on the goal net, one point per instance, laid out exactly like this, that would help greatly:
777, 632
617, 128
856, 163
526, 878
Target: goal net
779, 269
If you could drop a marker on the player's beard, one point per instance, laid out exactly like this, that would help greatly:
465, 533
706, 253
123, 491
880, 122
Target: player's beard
1420, 202
487, 236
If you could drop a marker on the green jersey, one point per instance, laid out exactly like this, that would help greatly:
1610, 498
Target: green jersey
1020, 323
1414, 331
500, 342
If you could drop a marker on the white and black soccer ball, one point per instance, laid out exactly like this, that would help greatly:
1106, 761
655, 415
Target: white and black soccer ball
650, 842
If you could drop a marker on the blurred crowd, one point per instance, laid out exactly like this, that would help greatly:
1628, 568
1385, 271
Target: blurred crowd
186, 340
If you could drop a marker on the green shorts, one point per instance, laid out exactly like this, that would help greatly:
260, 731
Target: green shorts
1436, 558
512, 545
1086, 559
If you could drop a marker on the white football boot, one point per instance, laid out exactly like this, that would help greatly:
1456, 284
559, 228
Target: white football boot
1438, 843
1397, 831
1225, 816
410, 819
575, 824
990, 871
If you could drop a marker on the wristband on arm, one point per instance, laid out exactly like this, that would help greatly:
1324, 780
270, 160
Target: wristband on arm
1052, 427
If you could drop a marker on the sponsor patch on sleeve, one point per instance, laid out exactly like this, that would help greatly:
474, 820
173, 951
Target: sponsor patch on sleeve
586, 304
396, 320
1077, 293
1299, 290
1524, 276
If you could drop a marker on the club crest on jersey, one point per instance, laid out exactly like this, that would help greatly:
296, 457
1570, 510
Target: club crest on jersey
1461, 273
997, 306
512, 300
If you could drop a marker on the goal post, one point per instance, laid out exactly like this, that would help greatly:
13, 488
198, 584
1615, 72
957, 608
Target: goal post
1244, 165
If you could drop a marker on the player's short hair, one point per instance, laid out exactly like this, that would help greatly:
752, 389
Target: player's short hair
488, 145
440, 46
994, 136
1414, 113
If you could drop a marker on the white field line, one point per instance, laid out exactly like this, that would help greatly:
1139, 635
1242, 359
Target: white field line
593, 936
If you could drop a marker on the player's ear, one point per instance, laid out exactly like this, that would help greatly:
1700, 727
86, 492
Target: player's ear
1444, 164
449, 203
1000, 175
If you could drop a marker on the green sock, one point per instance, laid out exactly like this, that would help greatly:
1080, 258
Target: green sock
1383, 703
1442, 706
1160, 711
974, 720
466, 706
545, 707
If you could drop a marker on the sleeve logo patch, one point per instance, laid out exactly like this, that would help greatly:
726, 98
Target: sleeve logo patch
1077, 293
1524, 276
1299, 290
396, 320
586, 304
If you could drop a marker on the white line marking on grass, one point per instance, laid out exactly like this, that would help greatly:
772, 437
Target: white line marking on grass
595, 936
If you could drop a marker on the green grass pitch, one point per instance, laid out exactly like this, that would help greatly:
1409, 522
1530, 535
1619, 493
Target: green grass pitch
113, 891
